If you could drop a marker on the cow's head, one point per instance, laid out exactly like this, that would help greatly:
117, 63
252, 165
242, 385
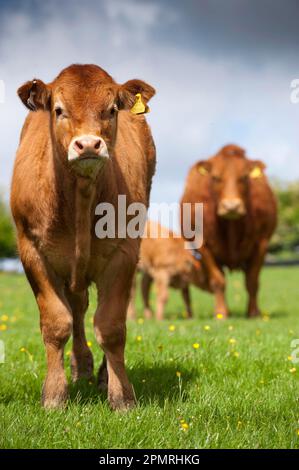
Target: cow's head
83, 102
230, 171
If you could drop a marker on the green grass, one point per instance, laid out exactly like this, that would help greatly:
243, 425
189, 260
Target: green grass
231, 394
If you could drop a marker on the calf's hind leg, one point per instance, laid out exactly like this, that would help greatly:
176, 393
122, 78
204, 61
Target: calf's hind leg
81, 358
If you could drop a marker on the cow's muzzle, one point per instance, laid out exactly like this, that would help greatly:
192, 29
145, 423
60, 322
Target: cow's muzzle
87, 154
231, 208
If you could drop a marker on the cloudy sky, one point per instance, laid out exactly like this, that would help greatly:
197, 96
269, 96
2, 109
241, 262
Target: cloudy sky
222, 70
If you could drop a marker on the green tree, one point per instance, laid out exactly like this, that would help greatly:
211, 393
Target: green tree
7, 234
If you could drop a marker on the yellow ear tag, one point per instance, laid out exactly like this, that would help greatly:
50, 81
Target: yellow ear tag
202, 170
256, 172
139, 107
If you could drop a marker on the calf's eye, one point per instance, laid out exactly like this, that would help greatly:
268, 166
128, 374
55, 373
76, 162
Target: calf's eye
58, 111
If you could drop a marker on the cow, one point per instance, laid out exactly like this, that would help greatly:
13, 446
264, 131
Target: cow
166, 261
80, 146
239, 217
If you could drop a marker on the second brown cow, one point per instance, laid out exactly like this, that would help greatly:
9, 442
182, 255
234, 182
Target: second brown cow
239, 216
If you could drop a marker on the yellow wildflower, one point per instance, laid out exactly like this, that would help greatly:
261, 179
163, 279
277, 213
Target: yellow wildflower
230, 328
171, 328
236, 354
89, 344
139, 338
178, 374
3, 327
219, 316
232, 341
185, 426
140, 321
4, 318
293, 370
207, 327
195, 345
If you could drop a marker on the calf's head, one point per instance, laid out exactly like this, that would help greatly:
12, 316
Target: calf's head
230, 171
83, 104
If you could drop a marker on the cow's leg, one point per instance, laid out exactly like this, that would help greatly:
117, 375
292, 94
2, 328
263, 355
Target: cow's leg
131, 313
110, 330
187, 301
81, 358
162, 286
146, 283
216, 282
55, 321
252, 273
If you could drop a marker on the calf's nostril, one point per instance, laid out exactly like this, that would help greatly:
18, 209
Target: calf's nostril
97, 145
79, 145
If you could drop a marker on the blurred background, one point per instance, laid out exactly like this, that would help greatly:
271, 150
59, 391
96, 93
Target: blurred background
222, 70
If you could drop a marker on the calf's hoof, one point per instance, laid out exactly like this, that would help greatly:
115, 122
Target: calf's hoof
253, 313
82, 366
123, 401
54, 396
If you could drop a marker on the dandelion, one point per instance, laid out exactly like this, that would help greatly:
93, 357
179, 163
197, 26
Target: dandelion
178, 374
265, 316
293, 370
89, 344
219, 316
290, 358
184, 426
232, 341
140, 321
171, 328
195, 345
3, 327
139, 338
207, 327
68, 353
236, 354
4, 317
22, 349
28, 353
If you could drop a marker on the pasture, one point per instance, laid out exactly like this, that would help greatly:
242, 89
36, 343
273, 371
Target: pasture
200, 383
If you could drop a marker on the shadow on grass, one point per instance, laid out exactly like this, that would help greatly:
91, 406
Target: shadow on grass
152, 383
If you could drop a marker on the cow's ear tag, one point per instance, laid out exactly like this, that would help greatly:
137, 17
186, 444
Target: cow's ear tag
256, 172
139, 107
202, 170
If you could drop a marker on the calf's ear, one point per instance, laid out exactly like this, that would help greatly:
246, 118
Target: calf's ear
35, 95
203, 167
129, 90
256, 168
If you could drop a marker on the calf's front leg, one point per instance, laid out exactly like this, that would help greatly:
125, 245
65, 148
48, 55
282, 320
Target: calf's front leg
110, 331
55, 321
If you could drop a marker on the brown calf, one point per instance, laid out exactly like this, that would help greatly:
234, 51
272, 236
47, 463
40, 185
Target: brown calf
80, 146
165, 261
239, 219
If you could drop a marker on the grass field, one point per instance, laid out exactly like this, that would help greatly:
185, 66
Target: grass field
238, 389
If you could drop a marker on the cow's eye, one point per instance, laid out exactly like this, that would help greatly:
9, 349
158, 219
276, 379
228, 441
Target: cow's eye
58, 111
216, 178
113, 110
